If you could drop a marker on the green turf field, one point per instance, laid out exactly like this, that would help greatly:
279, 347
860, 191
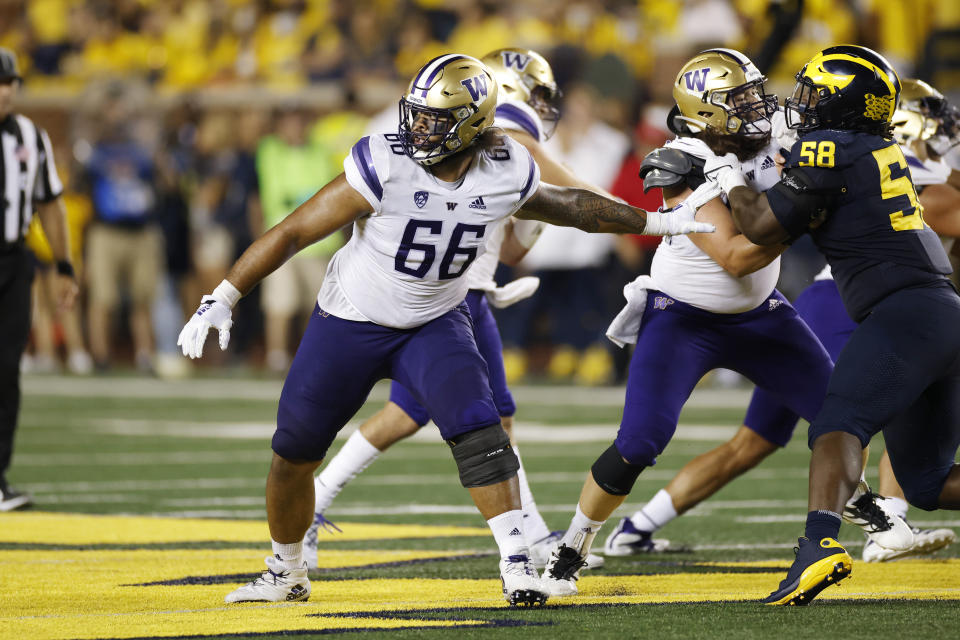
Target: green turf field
189, 454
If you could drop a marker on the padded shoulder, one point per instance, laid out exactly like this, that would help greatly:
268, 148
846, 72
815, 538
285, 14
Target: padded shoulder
666, 167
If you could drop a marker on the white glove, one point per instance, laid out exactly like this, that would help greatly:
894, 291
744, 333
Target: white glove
781, 133
215, 310
513, 292
680, 219
725, 171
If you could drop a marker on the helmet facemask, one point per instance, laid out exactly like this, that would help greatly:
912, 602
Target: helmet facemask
947, 135
544, 100
430, 135
800, 109
748, 109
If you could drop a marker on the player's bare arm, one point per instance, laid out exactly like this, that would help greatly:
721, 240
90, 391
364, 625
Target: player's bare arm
53, 219
726, 246
552, 171
585, 210
334, 206
941, 209
754, 218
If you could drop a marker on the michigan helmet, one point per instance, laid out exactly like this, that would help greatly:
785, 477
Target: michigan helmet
8, 66
845, 87
721, 89
526, 76
449, 103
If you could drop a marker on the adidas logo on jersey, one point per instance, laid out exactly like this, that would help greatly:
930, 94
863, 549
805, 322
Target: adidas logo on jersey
478, 203
516, 532
766, 164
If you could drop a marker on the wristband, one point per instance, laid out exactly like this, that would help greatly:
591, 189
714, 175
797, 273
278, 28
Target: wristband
64, 268
527, 231
227, 293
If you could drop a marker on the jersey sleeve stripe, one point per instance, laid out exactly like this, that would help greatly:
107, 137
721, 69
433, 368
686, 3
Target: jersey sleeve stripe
364, 161
519, 118
526, 187
913, 162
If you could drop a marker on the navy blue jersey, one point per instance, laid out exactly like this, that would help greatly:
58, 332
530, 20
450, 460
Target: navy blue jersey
853, 192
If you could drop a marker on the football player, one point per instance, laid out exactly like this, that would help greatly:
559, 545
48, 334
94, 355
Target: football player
709, 302
526, 111
391, 305
847, 183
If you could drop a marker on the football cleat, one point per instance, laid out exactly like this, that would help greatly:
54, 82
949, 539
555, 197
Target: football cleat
882, 526
276, 584
310, 540
924, 541
521, 584
816, 567
627, 540
562, 571
540, 552
11, 499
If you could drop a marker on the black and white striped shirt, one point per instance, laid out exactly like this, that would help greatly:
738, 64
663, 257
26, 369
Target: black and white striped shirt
27, 175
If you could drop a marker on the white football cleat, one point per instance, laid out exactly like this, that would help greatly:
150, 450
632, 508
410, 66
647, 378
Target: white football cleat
924, 541
540, 552
880, 524
276, 584
521, 584
562, 571
628, 540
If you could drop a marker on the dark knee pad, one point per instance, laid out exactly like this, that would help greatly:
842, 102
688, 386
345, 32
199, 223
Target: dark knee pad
484, 457
613, 474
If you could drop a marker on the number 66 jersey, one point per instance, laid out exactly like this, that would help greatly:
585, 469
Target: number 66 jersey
403, 265
854, 193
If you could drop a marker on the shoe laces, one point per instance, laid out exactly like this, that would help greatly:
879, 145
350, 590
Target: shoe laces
567, 563
869, 510
519, 565
321, 522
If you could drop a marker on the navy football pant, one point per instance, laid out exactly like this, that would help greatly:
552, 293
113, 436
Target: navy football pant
491, 348
338, 362
678, 344
900, 373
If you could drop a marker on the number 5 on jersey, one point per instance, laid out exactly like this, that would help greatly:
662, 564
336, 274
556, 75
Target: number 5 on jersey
895, 183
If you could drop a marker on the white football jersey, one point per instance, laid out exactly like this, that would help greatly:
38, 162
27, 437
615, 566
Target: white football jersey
510, 116
684, 272
403, 265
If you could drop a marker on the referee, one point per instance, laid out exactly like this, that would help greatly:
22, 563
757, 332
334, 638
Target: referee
28, 178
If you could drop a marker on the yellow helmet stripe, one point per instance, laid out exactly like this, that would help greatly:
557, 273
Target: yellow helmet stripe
843, 81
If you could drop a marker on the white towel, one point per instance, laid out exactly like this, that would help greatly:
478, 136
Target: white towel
624, 328
512, 292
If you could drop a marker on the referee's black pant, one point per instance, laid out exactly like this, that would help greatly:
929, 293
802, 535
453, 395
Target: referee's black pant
16, 276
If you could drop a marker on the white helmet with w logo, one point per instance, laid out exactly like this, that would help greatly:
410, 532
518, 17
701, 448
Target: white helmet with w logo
449, 103
526, 76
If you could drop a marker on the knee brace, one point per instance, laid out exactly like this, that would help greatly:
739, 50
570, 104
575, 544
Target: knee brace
613, 474
484, 457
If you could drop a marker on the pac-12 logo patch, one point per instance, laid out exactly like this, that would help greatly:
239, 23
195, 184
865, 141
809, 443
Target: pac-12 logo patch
661, 302
420, 198
774, 303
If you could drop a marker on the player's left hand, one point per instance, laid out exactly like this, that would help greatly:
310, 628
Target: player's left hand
726, 171
66, 291
211, 313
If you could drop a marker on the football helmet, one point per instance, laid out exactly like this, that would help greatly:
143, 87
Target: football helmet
845, 87
721, 89
449, 103
526, 76
924, 114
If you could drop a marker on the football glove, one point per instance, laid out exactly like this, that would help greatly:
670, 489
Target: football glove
680, 219
725, 171
215, 311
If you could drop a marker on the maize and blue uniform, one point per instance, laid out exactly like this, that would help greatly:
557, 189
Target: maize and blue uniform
900, 369
391, 305
698, 317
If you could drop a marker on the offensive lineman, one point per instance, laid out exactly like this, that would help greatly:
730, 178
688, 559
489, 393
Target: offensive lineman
709, 302
526, 111
391, 304
848, 184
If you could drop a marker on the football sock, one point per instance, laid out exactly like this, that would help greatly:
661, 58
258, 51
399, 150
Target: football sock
822, 524
507, 530
291, 555
656, 513
354, 456
898, 505
534, 528
581, 533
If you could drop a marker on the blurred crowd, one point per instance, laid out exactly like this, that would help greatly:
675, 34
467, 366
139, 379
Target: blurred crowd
186, 128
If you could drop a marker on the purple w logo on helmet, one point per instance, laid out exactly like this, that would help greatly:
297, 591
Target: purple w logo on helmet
518, 60
697, 79
477, 86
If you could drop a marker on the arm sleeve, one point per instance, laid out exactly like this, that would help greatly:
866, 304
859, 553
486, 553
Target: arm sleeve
803, 196
529, 172
47, 186
367, 169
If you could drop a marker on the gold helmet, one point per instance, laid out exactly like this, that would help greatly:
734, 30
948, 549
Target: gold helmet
721, 89
525, 76
449, 103
924, 114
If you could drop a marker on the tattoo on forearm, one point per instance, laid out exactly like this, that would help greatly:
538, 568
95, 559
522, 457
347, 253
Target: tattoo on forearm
590, 212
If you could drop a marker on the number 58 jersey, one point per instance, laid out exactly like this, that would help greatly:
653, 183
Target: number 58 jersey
404, 264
